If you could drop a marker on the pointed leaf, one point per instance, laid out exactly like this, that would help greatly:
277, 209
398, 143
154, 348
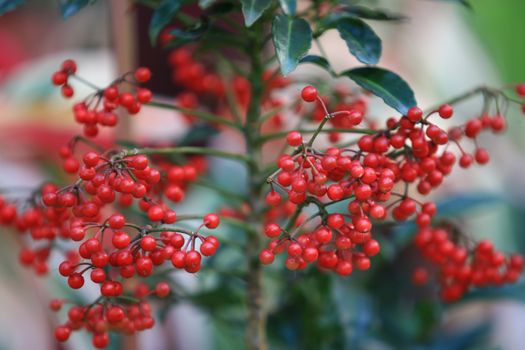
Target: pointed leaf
253, 9
373, 14
193, 32
361, 40
9, 5
205, 3
288, 6
318, 61
465, 3
292, 38
162, 17
385, 84
70, 7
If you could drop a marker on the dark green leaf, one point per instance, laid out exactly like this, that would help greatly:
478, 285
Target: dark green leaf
288, 6
465, 3
9, 5
361, 40
198, 135
162, 16
253, 9
70, 7
194, 32
292, 38
220, 8
318, 61
373, 14
205, 3
385, 84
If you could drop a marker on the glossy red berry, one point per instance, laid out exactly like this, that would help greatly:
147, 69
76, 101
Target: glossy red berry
142, 74
294, 138
309, 94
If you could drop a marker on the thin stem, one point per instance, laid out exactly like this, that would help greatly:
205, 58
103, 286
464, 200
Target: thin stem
188, 150
206, 116
221, 191
276, 135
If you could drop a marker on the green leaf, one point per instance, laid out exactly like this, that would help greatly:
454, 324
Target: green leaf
70, 7
205, 3
465, 3
162, 17
292, 38
253, 9
361, 40
9, 5
288, 6
220, 8
373, 14
193, 32
318, 61
385, 84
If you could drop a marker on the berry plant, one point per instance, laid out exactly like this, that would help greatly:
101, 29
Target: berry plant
325, 177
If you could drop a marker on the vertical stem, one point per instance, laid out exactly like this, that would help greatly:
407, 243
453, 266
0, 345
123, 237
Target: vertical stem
256, 327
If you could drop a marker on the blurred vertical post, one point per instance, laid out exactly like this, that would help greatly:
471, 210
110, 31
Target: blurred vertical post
124, 43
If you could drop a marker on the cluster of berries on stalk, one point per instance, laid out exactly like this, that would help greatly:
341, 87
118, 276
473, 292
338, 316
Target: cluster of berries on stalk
407, 151
373, 174
99, 108
460, 264
203, 86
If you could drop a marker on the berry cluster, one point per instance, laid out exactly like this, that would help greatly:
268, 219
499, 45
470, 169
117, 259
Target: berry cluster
98, 109
406, 151
202, 86
105, 315
459, 267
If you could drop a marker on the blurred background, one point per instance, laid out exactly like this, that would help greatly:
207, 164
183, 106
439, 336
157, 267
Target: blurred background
443, 50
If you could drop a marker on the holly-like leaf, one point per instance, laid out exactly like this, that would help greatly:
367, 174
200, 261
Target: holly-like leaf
465, 3
373, 14
289, 6
292, 38
361, 40
9, 5
162, 16
318, 61
193, 33
70, 7
385, 84
253, 9
205, 3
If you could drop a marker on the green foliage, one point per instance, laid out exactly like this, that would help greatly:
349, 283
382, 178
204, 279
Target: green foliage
385, 84
162, 16
292, 38
9, 5
69, 8
318, 61
361, 40
373, 13
289, 6
253, 10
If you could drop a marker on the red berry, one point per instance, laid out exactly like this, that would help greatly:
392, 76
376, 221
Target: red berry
446, 111
142, 74
309, 94
294, 138
414, 114
520, 89
266, 257
62, 333
116, 221
75, 280
211, 220
162, 289
155, 213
